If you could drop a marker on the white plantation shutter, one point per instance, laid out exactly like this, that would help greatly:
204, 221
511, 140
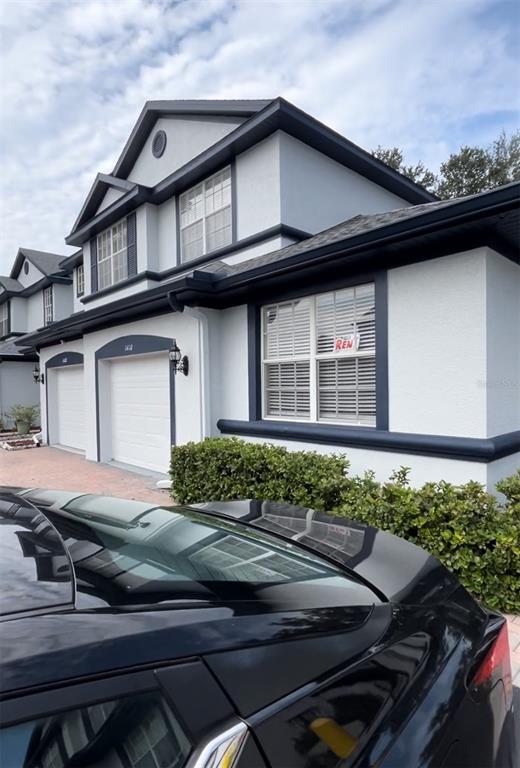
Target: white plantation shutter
287, 336
335, 332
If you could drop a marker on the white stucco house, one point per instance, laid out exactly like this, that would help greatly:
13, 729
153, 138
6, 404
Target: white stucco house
37, 292
321, 300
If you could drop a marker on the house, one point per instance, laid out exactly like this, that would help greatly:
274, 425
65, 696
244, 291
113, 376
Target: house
35, 294
247, 271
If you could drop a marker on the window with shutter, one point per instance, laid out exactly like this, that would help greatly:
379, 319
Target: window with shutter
319, 357
4, 319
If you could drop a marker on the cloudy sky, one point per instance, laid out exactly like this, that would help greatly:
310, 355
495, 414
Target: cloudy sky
427, 75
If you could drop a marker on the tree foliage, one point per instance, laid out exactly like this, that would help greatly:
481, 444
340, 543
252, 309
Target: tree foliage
467, 172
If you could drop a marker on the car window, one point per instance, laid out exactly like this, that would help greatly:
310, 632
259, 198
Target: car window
158, 554
132, 732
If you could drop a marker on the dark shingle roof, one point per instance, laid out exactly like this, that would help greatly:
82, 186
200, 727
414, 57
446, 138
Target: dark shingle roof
358, 225
13, 286
47, 263
8, 349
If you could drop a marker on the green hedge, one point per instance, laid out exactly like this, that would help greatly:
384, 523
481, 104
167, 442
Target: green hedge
464, 526
221, 468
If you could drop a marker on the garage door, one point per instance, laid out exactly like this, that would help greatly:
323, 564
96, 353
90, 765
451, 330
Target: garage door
140, 411
70, 406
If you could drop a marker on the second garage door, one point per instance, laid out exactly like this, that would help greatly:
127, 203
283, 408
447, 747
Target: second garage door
70, 407
140, 411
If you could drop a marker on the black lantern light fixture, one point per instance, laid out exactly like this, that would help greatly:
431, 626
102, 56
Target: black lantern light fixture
38, 377
179, 361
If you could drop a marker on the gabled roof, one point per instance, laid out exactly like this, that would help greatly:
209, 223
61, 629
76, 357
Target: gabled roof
47, 263
277, 114
68, 264
153, 110
10, 285
97, 192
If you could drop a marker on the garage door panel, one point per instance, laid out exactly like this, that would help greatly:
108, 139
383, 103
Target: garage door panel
70, 407
140, 411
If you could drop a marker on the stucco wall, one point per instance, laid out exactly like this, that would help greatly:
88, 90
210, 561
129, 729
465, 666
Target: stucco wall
34, 311
111, 195
234, 388
18, 309
437, 346
317, 192
17, 387
63, 300
31, 277
187, 137
502, 380
184, 329
258, 187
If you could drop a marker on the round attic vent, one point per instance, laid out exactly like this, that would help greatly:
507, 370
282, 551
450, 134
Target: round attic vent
26, 267
159, 143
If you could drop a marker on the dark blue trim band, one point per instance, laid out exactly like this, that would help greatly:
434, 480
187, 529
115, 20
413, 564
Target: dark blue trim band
462, 448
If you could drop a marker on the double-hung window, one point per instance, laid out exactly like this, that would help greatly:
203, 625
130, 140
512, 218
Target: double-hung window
80, 280
48, 306
112, 255
4, 319
205, 216
319, 357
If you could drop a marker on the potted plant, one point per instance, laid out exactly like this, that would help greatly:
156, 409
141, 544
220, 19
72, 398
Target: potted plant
25, 417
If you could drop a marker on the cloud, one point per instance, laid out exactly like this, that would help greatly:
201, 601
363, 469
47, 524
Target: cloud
75, 75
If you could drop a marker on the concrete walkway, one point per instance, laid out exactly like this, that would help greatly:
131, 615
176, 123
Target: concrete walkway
63, 470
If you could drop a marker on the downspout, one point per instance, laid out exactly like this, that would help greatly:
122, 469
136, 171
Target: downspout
204, 371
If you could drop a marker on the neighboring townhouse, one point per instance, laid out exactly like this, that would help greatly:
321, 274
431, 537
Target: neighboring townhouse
36, 293
245, 270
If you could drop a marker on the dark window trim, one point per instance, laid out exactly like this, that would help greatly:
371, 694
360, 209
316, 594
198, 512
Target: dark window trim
483, 450
6, 335
79, 266
254, 331
210, 255
280, 230
127, 346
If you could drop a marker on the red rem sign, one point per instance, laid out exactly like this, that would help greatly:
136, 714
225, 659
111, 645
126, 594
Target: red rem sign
346, 343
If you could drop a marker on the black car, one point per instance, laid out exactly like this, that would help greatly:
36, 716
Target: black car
237, 635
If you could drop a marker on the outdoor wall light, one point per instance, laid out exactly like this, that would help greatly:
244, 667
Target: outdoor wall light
180, 362
38, 377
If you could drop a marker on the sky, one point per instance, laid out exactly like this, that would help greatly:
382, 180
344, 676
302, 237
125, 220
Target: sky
426, 75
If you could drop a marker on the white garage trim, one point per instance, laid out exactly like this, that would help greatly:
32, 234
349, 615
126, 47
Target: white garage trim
110, 381
67, 404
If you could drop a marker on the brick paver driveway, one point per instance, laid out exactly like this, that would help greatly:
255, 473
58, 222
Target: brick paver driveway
52, 468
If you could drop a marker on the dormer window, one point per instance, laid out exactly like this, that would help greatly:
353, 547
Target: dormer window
112, 256
79, 274
48, 306
205, 216
4, 319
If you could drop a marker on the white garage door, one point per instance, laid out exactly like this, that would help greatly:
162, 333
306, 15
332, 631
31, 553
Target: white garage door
70, 406
140, 411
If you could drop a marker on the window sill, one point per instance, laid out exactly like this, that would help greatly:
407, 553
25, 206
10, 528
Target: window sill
462, 448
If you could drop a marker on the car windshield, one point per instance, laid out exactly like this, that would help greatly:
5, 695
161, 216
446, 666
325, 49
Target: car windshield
128, 553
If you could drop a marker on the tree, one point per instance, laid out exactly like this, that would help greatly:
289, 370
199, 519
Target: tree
467, 172
418, 173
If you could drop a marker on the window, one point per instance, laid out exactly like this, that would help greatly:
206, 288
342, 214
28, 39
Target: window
80, 280
319, 357
112, 256
48, 306
4, 319
137, 731
205, 213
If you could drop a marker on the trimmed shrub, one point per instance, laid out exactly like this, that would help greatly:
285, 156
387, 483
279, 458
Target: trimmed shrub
464, 526
468, 529
220, 469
